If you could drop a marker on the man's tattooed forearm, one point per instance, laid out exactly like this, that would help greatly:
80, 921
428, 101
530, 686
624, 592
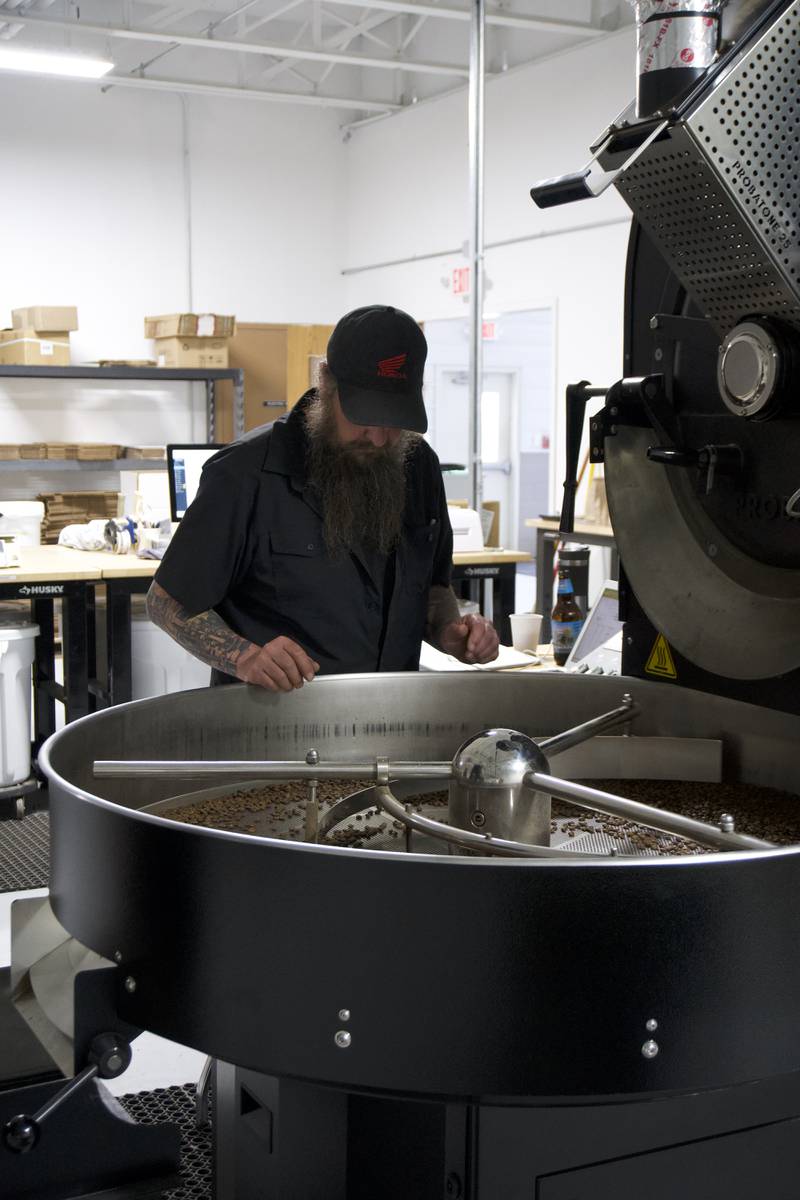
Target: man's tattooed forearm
206, 635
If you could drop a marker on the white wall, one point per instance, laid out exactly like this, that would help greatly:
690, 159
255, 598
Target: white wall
407, 181
95, 207
94, 203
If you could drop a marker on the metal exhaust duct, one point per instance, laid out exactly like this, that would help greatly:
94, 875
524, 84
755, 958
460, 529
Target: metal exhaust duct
676, 42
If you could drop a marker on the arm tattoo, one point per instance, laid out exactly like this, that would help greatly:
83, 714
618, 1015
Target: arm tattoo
205, 635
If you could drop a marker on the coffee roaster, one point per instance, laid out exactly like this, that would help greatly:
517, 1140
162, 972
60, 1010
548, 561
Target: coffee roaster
700, 437
463, 1010
462, 1001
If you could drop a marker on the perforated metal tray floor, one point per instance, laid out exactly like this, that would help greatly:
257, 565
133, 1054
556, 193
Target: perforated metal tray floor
25, 853
176, 1105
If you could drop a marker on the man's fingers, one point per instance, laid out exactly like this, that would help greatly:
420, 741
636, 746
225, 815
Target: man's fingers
302, 661
291, 664
456, 634
487, 652
280, 666
477, 631
487, 638
262, 679
271, 675
482, 641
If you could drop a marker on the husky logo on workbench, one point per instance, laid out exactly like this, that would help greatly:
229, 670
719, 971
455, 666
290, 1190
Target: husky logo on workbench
41, 589
391, 368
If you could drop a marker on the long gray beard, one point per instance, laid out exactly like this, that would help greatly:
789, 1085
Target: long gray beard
362, 493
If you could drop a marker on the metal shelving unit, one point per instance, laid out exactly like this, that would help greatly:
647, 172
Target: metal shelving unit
141, 374
80, 464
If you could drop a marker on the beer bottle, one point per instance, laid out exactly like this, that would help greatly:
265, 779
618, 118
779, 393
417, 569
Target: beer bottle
566, 619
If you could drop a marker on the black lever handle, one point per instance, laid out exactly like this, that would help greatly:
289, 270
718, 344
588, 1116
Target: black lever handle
711, 461
577, 396
562, 190
109, 1056
673, 458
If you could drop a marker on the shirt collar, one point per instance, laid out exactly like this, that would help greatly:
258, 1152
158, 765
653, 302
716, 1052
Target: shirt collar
287, 448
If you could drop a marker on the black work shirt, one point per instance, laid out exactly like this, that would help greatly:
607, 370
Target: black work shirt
251, 547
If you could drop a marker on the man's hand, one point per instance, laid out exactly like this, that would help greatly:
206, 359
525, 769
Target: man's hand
471, 640
279, 666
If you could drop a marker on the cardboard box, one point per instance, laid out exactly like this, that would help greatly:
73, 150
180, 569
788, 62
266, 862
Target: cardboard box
27, 348
203, 325
144, 452
44, 319
196, 353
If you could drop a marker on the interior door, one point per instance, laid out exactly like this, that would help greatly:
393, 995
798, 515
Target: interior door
498, 448
449, 436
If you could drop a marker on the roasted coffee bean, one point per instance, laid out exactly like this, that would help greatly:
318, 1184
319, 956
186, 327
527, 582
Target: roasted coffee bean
278, 810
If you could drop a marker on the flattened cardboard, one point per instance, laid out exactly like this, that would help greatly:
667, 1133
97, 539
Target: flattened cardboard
43, 318
202, 325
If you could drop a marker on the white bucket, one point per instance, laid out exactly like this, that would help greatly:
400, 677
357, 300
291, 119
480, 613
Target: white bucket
17, 641
23, 518
159, 664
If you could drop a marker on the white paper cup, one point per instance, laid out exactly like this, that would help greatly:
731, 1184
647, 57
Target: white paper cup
525, 630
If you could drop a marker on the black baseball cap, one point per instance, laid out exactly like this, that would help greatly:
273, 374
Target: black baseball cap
378, 356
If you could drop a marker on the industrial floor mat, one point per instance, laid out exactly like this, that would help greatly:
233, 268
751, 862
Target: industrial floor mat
25, 853
176, 1105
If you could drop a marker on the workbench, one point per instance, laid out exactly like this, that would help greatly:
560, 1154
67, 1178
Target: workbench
50, 574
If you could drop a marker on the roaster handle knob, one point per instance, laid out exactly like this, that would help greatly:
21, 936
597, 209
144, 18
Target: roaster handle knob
21, 1134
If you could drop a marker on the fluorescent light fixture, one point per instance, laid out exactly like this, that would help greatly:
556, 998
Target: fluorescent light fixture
42, 62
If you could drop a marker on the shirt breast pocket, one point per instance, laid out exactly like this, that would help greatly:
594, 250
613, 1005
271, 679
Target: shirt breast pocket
297, 564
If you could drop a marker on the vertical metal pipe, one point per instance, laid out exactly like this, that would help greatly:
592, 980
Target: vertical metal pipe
211, 410
476, 132
187, 200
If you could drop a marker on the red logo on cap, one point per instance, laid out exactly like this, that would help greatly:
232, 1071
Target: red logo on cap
391, 368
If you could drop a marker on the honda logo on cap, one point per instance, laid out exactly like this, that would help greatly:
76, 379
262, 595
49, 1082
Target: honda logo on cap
392, 368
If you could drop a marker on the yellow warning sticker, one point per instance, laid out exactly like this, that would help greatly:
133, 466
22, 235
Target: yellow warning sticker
660, 661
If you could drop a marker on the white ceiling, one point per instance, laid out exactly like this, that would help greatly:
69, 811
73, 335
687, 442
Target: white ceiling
363, 58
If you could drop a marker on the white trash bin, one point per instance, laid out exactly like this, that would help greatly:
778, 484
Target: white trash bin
17, 640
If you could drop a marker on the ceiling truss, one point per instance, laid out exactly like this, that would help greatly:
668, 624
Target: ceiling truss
394, 40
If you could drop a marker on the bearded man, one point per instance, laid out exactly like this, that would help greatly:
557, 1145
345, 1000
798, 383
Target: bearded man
321, 542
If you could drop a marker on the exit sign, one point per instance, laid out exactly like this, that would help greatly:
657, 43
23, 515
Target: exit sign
489, 331
461, 281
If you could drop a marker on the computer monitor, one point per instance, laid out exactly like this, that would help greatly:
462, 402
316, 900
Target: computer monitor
184, 464
598, 646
